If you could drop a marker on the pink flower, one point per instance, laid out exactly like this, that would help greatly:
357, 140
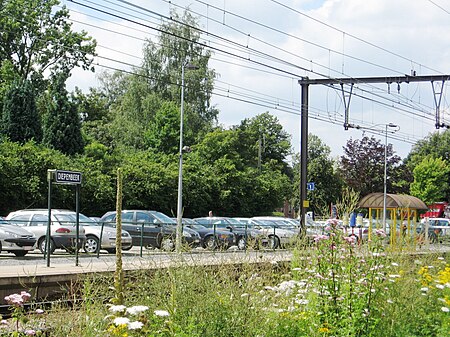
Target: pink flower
333, 222
381, 233
349, 239
30, 332
320, 237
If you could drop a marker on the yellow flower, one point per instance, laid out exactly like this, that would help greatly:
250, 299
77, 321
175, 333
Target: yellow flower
324, 329
444, 275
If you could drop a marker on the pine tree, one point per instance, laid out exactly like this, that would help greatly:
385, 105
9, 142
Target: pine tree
20, 119
62, 127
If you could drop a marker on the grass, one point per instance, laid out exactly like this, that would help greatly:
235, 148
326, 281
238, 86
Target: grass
333, 288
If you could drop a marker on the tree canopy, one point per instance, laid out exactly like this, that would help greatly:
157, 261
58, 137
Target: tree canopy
35, 37
362, 165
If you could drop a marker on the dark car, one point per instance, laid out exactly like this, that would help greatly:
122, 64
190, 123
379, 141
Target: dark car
151, 229
244, 235
211, 239
14, 239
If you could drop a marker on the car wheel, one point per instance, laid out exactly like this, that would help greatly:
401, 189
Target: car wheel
112, 250
167, 244
20, 253
42, 245
92, 244
124, 248
274, 242
241, 243
210, 243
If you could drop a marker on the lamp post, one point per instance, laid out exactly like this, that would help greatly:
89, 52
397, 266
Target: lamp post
390, 125
179, 230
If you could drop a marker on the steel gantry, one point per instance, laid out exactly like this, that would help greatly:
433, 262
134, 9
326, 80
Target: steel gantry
437, 83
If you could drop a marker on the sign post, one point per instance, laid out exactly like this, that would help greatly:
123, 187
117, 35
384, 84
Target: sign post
65, 178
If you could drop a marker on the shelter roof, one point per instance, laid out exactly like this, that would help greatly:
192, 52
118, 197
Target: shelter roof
375, 200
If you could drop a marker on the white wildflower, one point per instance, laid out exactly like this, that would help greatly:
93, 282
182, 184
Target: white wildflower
161, 313
137, 309
121, 320
117, 308
135, 325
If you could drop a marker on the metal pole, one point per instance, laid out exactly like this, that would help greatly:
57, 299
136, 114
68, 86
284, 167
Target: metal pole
180, 170
77, 210
303, 156
49, 203
385, 179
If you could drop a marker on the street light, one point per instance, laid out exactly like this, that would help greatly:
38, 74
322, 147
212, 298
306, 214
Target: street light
179, 231
390, 125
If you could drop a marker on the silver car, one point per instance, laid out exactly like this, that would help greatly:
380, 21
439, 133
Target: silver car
16, 240
94, 231
62, 230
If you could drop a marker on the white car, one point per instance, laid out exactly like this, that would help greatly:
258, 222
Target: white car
94, 231
437, 228
16, 240
62, 229
277, 235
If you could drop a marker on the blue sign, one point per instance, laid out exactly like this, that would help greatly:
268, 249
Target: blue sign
310, 186
353, 220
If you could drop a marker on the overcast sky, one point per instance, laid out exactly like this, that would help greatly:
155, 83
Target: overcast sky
261, 48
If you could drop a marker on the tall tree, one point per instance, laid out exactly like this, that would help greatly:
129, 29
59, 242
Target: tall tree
36, 37
323, 173
436, 145
20, 119
179, 43
62, 128
263, 139
362, 165
430, 180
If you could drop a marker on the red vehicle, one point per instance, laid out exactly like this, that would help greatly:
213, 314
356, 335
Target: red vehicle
437, 210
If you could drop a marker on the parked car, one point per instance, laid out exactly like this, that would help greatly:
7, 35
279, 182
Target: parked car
16, 240
62, 229
155, 229
278, 236
243, 235
93, 230
438, 228
211, 239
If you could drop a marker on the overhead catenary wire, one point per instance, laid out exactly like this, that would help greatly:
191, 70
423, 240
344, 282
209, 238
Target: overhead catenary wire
354, 36
298, 74
111, 60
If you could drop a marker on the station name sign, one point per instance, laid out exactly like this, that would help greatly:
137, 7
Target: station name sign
67, 177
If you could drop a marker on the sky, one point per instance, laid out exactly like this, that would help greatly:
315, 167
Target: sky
262, 48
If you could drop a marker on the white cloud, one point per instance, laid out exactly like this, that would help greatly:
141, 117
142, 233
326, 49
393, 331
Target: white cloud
416, 30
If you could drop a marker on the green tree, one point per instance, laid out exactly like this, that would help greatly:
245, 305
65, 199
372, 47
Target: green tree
20, 119
23, 176
178, 44
430, 180
322, 171
436, 145
362, 165
163, 134
264, 139
62, 128
36, 37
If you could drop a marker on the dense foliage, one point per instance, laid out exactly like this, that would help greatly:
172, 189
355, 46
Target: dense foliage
132, 121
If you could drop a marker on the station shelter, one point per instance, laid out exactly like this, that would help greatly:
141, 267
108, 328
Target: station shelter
401, 215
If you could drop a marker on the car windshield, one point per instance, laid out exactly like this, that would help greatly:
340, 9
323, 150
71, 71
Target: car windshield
163, 218
193, 226
72, 218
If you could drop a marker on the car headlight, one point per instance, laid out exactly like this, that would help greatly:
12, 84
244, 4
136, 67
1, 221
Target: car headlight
11, 234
